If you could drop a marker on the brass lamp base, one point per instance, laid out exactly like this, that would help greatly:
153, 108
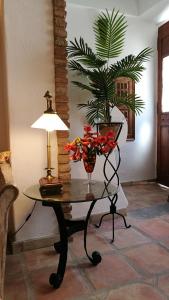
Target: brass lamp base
50, 186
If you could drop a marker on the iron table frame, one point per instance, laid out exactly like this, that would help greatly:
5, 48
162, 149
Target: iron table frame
69, 227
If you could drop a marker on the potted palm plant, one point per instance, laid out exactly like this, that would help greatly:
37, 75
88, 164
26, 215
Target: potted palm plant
99, 73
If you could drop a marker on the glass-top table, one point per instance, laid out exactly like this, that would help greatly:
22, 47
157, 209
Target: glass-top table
76, 191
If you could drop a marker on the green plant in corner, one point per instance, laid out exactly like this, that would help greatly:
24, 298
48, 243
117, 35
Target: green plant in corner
100, 73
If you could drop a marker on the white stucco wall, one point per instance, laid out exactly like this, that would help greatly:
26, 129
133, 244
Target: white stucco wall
30, 72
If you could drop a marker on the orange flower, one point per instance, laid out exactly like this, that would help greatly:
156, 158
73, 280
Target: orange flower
111, 134
87, 128
91, 144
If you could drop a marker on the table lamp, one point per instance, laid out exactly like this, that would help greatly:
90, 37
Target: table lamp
49, 121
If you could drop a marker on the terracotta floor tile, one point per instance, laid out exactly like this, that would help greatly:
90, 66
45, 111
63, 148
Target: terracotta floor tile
127, 237
155, 228
135, 292
163, 284
133, 221
112, 270
73, 285
165, 243
94, 243
149, 258
38, 258
13, 264
165, 217
136, 204
15, 288
96, 296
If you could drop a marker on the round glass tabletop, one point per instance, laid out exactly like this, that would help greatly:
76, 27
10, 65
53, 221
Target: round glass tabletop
75, 191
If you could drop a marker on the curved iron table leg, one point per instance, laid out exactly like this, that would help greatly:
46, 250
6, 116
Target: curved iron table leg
96, 257
56, 278
67, 228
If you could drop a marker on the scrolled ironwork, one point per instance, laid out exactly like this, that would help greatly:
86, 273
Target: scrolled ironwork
108, 180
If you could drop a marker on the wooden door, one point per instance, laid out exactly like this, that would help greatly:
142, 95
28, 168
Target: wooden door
163, 106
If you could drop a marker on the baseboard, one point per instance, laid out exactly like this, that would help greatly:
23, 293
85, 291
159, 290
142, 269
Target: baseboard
31, 244
15, 247
147, 181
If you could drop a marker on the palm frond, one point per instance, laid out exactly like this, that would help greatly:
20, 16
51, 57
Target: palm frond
131, 66
133, 102
84, 54
128, 67
109, 32
144, 55
92, 115
94, 111
75, 66
102, 83
82, 86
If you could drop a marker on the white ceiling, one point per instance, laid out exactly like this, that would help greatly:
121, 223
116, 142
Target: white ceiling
154, 10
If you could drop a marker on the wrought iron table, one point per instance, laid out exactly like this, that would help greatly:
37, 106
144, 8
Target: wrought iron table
74, 192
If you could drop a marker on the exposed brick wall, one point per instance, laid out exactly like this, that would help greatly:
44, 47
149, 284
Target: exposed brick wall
61, 84
61, 90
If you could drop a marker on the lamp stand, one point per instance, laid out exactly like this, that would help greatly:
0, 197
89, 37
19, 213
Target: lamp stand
49, 169
49, 185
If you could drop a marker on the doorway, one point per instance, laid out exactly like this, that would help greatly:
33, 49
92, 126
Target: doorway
163, 106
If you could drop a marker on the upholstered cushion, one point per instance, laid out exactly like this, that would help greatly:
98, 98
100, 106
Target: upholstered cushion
2, 179
5, 168
8, 194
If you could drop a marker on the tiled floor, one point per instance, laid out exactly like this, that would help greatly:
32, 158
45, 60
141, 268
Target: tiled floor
134, 267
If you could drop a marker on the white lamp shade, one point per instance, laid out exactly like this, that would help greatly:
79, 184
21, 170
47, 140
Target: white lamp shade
50, 122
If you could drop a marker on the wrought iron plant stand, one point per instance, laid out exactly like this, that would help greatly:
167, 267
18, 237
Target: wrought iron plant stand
108, 180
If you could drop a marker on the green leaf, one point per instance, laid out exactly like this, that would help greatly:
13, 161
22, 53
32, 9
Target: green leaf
109, 32
83, 86
84, 54
133, 102
102, 84
144, 55
75, 66
94, 111
130, 67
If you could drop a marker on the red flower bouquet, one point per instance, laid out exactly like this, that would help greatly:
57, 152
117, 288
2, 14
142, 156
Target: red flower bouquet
89, 146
